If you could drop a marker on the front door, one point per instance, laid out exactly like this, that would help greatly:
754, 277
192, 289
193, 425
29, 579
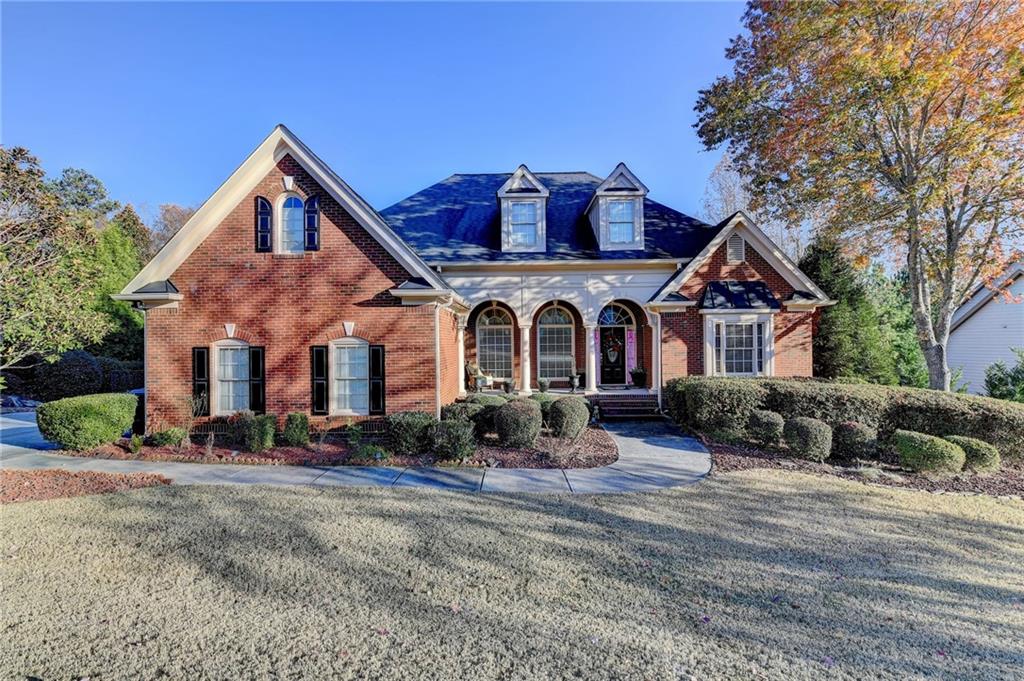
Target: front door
613, 355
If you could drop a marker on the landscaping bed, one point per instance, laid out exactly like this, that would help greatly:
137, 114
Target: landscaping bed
19, 485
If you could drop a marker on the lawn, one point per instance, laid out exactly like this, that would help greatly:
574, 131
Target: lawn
754, 574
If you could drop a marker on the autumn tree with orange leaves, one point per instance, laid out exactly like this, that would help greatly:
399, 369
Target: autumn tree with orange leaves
897, 125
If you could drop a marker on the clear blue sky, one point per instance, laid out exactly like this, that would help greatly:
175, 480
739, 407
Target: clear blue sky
162, 101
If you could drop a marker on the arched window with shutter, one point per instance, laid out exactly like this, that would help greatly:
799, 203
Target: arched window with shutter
264, 226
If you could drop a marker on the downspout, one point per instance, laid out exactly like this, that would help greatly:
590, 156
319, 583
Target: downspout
437, 361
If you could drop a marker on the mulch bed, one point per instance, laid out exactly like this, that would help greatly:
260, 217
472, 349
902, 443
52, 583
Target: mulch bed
1009, 481
18, 485
594, 448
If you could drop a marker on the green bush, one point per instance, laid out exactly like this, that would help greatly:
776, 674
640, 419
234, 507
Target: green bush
135, 445
545, 400
569, 417
488, 400
408, 432
77, 372
296, 430
86, 421
171, 437
461, 411
253, 432
722, 405
832, 403
484, 419
808, 438
853, 440
765, 427
454, 439
980, 455
518, 423
920, 452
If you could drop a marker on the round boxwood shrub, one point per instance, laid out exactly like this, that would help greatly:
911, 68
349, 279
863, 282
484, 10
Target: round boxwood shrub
980, 455
296, 430
454, 439
518, 423
171, 437
545, 400
253, 432
721, 405
808, 438
920, 452
77, 372
408, 432
853, 440
765, 427
569, 417
461, 411
488, 400
86, 421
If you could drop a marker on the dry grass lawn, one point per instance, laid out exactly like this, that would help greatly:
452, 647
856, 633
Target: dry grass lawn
753, 575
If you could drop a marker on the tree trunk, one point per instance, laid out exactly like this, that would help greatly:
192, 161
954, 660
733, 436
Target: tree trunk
939, 374
931, 337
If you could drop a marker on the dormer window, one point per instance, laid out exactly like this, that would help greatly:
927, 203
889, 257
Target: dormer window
616, 211
621, 225
524, 202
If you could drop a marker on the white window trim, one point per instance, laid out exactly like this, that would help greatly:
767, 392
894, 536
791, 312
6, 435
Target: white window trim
712, 317
633, 203
332, 385
512, 340
214, 405
604, 223
279, 224
540, 238
572, 340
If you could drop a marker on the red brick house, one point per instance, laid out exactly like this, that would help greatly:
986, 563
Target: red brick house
287, 292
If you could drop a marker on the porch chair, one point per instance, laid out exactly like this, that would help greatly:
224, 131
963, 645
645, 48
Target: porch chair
477, 379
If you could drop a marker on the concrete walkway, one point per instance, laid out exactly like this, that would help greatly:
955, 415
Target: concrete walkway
652, 455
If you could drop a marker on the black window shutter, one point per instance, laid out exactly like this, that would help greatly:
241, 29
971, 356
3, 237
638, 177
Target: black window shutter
257, 381
313, 224
318, 375
201, 380
264, 226
377, 405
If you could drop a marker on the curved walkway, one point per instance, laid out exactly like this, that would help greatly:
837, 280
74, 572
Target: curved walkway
652, 455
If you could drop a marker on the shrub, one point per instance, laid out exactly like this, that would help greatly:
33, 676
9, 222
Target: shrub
461, 411
722, 404
808, 438
484, 419
569, 417
409, 432
135, 445
487, 400
86, 421
832, 403
171, 437
253, 432
518, 423
920, 452
296, 430
765, 427
76, 373
980, 455
543, 384
545, 400
454, 439
853, 440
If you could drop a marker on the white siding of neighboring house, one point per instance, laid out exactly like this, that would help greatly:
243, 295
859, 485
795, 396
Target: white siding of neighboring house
988, 336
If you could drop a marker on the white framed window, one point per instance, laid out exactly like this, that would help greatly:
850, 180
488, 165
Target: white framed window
739, 344
621, 221
231, 377
350, 377
522, 222
494, 342
290, 221
736, 249
556, 357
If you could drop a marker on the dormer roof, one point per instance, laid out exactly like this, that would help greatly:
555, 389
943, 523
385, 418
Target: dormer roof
523, 183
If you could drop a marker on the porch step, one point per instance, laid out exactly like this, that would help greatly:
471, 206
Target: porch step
626, 406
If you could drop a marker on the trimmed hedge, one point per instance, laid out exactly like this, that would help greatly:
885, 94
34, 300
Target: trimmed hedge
545, 400
86, 421
172, 437
980, 455
692, 403
253, 432
765, 427
852, 440
296, 430
921, 452
569, 417
76, 373
487, 400
461, 411
518, 423
409, 432
808, 438
453, 439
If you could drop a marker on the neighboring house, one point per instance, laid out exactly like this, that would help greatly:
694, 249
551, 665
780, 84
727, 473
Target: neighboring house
986, 328
287, 292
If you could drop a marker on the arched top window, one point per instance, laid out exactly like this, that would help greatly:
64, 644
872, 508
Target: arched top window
615, 315
555, 351
494, 342
555, 316
290, 227
495, 316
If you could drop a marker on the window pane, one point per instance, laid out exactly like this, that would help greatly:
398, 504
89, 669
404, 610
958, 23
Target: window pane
554, 352
739, 348
524, 212
620, 211
351, 371
494, 351
524, 235
292, 217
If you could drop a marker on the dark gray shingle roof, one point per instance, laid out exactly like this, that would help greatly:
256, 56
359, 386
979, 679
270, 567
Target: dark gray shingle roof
738, 295
459, 219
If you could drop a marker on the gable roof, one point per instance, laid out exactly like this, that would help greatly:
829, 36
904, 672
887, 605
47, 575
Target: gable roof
982, 295
280, 142
459, 220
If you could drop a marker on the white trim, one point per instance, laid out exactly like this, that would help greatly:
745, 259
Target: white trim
753, 236
278, 226
519, 265
744, 311
741, 244
214, 406
711, 318
983, 294
347, 342
236, 188
523, 173
511, 326
540, 242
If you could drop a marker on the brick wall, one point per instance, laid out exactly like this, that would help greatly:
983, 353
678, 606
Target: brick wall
286, 304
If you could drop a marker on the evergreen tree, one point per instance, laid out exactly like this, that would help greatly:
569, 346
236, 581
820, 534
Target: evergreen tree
896, 321
132, 226
117, 258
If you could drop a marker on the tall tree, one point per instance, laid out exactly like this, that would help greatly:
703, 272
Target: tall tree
167, 224
46, 267
896, 321
83, 195
131, 225
117, 259
899, 123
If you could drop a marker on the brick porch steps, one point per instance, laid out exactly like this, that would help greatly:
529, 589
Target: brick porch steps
626, 406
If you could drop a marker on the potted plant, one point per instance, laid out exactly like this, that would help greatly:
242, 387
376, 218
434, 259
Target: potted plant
639, 376
543, 384
510, 386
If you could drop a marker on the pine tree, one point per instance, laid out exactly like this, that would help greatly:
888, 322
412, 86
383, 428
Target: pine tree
131, 225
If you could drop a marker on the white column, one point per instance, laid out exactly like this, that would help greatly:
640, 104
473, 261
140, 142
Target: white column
591, 359
460, 341
656, 356
524, 359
